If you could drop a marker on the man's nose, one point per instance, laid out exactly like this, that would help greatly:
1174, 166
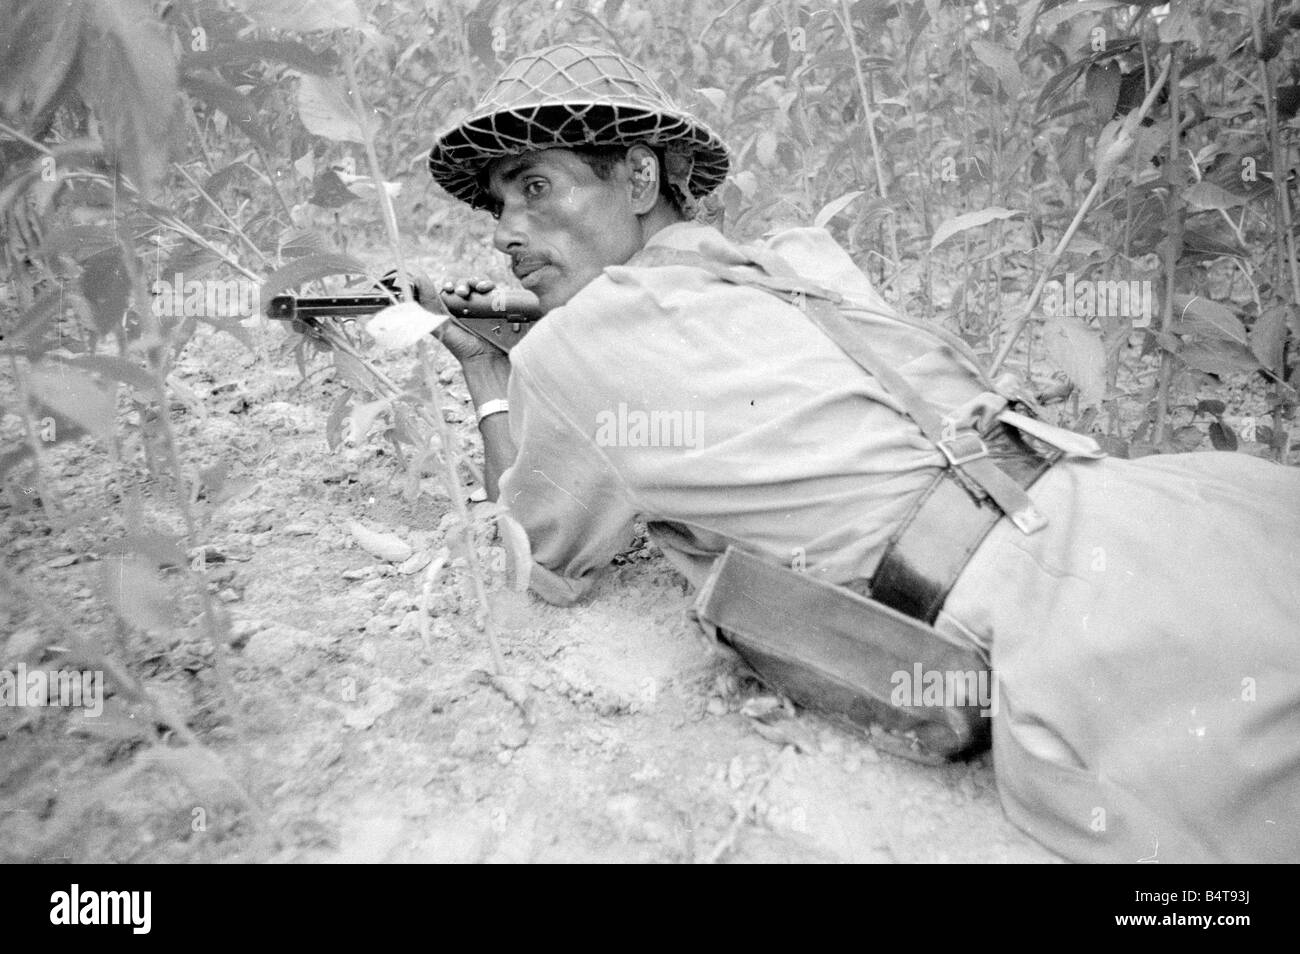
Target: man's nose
509, 236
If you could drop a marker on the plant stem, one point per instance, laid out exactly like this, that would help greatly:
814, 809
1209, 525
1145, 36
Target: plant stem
1286, 246
1173, 244
870, 117
1064, 243
450, 455
222, 212
50, 502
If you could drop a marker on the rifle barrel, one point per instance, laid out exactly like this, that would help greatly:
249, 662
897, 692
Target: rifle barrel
506, 304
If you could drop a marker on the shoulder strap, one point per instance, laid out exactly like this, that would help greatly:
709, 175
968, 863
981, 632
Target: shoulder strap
963, 448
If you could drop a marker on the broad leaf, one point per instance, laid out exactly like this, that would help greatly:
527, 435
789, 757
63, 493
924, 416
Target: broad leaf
1002, 62
970, 220
117, 369
326, 110
79, 242
1268, 335
75, 395
1218, 357
1064, 11
216, 92
238, 52
334, 424
1200, 316
835, 207
308, 269
1207, 195
1223, 438
303, 16
129, 78
106, 285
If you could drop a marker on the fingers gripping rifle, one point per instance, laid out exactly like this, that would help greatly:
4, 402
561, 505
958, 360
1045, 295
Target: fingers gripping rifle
500, 317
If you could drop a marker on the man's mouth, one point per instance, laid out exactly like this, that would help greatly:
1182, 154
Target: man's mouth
523, 269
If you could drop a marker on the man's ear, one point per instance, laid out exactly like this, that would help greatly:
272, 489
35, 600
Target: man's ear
643, 175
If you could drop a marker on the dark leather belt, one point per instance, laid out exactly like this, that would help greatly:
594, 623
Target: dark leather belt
927, 553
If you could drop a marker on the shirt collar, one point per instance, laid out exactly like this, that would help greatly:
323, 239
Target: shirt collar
685, 236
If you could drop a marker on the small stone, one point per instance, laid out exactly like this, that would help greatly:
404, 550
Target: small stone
299, 529
61, 561
415, 563
513, 737
229, 596
465, 743
361, 573
716, 707
736, 773
397, 600
831, 743
222, 574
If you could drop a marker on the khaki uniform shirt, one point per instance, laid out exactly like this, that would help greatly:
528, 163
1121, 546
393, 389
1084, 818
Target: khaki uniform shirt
719, 415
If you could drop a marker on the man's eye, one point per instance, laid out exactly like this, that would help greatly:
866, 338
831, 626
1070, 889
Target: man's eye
534, 188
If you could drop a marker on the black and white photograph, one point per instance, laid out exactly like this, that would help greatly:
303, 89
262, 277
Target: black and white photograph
650, 432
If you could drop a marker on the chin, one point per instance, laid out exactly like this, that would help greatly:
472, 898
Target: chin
551, 298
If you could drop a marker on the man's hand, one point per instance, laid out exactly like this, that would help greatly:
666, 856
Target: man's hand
464, 345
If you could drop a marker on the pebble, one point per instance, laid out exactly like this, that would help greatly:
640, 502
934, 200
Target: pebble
716, 707
299, 529
831, 744
465, 742
397, 600
361, 573
736, 773
513, 737
229, 596
61, 561
415, 563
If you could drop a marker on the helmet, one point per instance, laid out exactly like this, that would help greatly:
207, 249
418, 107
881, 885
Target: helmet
569, 96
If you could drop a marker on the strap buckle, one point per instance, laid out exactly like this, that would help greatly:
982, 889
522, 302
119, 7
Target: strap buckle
963, 448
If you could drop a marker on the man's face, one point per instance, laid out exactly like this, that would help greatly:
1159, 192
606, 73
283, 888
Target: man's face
560, 223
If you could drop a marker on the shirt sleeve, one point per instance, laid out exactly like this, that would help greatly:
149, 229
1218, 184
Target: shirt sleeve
569, 499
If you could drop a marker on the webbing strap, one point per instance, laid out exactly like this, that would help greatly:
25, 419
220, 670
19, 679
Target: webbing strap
963, 448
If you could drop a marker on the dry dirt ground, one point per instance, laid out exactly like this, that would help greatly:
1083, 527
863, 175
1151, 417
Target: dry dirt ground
326, 729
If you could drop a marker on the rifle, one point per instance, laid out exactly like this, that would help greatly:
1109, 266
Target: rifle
501, 317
